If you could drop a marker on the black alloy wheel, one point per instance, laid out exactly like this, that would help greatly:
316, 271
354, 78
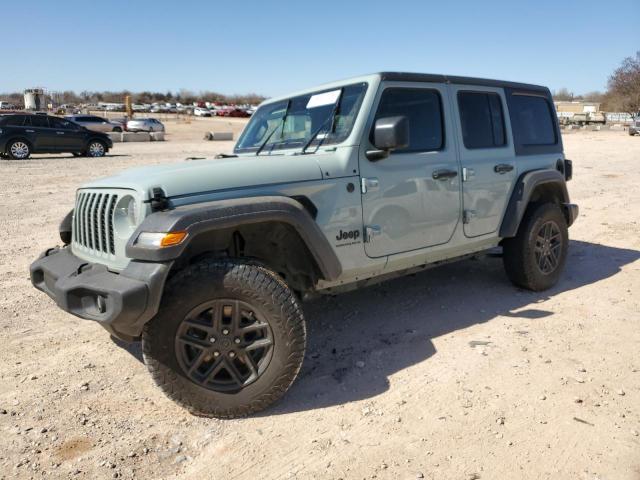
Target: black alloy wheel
548, 247
224, 345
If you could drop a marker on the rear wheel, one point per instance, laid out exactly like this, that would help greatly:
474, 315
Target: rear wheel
228, 340
534, 259
18, 150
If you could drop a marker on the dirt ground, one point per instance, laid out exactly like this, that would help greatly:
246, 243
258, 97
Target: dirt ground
450, 374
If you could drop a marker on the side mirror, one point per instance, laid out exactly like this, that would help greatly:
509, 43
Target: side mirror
389, 133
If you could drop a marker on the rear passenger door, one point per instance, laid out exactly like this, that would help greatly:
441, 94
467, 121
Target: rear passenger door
411, 199
487, 156
44, 138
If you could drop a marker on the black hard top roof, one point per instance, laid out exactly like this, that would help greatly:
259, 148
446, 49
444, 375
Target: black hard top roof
438, 78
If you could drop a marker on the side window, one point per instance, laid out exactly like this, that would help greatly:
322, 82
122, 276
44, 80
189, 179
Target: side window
531, 117
61, 124
423, 109
39, 121
15, 120
482, 119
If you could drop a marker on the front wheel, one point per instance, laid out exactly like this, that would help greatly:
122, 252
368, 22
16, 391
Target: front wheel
534, 259
19, 150
96, 148
228, 340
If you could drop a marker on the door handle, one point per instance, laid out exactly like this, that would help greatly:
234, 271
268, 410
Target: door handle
60, 133
444, 174
502, 168
30, 131
369, 184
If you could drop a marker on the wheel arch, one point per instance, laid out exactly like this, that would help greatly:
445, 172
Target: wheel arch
21, 138
95, 138
536, 186
277, 231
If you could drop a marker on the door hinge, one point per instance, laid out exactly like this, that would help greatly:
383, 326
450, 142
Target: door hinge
468, 174
369, 184
468, 215
371, 232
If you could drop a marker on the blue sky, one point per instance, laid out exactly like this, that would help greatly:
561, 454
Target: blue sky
272, 47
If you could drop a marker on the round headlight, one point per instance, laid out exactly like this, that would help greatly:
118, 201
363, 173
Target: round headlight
126, 216
132, 211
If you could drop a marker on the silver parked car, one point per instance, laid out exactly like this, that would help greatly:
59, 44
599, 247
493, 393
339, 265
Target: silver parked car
95, 123
145, 125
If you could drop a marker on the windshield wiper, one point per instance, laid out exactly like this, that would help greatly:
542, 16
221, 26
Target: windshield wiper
284, 119
332, 117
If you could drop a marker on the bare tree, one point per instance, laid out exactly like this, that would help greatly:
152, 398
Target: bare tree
563, 95
624, 85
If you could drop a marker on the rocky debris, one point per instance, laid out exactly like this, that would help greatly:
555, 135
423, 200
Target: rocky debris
360, 364
578, 400
621, 392
84, 386
3, 411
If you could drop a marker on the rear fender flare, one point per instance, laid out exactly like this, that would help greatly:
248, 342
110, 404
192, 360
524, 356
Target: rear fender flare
522, 193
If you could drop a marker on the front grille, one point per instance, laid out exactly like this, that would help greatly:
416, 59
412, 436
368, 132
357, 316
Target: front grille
93, 221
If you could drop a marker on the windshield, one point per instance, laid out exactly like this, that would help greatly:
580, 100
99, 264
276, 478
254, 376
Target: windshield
306, 114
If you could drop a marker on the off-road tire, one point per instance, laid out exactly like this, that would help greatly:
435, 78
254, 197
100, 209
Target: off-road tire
519, 252
206, 281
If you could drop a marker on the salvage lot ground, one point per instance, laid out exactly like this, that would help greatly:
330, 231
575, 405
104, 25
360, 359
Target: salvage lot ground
452, 373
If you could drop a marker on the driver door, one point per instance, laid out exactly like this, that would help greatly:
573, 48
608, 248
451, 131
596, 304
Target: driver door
411, 199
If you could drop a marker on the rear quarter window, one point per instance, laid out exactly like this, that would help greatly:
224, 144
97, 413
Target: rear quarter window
14, 121
533, 120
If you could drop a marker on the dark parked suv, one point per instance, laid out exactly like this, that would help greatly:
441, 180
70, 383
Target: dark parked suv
24, 134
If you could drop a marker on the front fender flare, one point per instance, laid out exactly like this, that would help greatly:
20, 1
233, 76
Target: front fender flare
220, 214
521, 195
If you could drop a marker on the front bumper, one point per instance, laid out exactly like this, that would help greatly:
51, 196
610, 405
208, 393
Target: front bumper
634, 129
122, 303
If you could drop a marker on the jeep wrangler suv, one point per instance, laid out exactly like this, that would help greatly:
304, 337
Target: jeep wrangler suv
329, 189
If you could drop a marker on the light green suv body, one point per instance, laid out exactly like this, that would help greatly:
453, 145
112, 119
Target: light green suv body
330, 188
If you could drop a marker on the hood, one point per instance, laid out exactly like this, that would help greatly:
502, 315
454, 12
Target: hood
196, 176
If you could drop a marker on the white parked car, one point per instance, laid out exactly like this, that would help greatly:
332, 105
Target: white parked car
201, 112
145, 125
